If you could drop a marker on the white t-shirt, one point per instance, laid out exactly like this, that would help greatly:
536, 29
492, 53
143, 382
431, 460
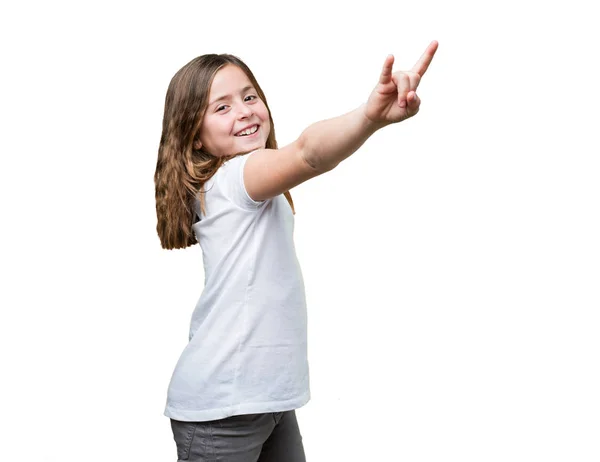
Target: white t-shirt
247, 345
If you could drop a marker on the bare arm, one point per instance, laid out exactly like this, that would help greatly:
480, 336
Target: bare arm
323, 145
328, 142
320, 148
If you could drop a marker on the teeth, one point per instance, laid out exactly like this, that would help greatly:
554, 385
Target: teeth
248, 131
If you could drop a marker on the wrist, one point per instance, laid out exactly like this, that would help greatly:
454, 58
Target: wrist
372, 125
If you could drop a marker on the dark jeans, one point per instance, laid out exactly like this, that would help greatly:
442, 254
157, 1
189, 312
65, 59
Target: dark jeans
271, 437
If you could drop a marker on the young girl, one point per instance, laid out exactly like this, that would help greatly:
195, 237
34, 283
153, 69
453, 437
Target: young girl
221, 181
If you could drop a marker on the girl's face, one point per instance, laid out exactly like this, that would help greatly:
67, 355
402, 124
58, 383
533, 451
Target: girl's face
235, 120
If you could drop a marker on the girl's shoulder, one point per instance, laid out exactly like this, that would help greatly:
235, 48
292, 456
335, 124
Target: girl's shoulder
229, 180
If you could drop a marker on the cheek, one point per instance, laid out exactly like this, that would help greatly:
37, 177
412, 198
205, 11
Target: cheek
264, 115
212, 133
220, 127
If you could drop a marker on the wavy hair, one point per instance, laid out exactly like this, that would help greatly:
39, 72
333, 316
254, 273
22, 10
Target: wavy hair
182, 170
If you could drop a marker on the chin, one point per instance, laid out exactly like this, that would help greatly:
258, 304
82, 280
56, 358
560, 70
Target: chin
251, 146
241, 150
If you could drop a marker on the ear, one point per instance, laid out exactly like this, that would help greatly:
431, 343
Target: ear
197, 144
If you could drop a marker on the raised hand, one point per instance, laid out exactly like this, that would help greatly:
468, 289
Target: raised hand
394, 98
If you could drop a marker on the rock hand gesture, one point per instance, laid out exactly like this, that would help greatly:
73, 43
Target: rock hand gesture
394, 98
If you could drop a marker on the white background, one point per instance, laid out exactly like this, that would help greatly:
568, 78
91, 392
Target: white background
452, 265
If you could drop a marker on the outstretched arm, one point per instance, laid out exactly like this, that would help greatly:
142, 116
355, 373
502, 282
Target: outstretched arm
323, 145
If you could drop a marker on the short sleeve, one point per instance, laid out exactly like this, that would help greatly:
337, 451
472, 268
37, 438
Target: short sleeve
232, 182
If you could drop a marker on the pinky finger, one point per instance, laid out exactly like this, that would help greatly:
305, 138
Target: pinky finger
386, 72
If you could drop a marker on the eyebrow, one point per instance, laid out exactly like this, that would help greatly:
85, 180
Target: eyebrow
221, 98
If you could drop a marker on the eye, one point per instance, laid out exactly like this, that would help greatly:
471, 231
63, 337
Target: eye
221, 108
249, 98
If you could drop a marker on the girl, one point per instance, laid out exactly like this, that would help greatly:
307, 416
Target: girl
221, 181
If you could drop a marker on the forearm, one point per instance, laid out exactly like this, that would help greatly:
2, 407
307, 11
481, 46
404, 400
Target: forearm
326, 143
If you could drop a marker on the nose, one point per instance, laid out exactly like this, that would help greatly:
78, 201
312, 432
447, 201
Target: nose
245, 111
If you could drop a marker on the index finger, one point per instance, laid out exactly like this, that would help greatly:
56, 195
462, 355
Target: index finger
425, 59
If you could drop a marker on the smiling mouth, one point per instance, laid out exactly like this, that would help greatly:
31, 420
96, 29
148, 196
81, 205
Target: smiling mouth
247, 132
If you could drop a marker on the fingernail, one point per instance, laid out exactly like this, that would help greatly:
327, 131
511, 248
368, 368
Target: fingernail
402, 103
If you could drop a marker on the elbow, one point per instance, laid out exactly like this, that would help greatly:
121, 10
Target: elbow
313, 159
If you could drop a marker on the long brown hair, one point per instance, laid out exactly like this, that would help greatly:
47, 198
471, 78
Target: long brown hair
182, 170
